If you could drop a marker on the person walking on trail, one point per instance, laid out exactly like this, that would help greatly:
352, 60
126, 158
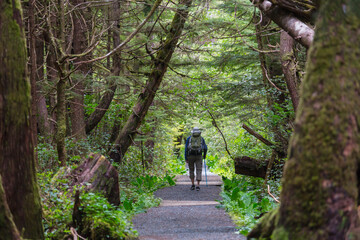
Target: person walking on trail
195, 152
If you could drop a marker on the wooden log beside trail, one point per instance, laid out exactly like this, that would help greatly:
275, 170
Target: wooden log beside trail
248, 166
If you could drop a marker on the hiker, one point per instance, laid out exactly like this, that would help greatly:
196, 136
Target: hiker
195, 152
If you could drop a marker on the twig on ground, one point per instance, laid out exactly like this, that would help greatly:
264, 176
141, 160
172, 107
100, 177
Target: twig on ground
272, 195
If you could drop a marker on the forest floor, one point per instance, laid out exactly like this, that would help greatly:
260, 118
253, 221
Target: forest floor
187, 214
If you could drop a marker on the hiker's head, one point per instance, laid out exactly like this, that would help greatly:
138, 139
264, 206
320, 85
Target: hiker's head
196, 131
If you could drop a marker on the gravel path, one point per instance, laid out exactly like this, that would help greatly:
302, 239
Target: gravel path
185, 214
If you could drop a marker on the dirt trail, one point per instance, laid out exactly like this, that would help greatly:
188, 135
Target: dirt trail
185, 214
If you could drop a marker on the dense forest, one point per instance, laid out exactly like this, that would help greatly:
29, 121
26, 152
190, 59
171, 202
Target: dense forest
98, 97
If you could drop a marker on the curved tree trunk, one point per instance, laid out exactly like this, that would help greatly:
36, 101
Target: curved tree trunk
319, 195
17, 163
160, 63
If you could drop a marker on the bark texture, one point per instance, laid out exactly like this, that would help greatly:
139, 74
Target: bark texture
159, 67
17, 165
33, 68
8, 229
62, 67
319, 195
79, 45
101, 175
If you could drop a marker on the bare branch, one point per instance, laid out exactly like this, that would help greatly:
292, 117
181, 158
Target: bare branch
217, 127
128, 39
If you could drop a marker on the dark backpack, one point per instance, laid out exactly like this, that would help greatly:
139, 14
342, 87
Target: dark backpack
195, 145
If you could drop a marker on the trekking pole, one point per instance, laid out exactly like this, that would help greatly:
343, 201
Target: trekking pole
205, 171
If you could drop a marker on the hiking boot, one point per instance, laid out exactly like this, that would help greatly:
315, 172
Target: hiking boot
192, 187
197, 188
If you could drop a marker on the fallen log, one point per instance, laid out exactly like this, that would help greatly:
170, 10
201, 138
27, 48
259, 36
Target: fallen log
250, 167
98, 175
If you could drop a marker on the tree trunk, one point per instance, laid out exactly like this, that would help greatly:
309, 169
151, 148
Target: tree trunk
77, 113
61, 118
288, 62
160, 63
319, 195
51, 76
60, 90
33, 69
41, 108
8, 229
17, 163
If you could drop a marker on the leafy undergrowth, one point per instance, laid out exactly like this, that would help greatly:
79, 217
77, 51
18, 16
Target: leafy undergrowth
58, 203
246, 201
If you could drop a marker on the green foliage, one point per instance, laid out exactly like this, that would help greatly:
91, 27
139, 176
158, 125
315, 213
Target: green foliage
215, 70
245, 201
47, 155
57, 204
152, 183
100, 213
138, 196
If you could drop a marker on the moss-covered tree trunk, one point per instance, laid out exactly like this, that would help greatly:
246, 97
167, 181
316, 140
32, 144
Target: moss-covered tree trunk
159, 67
61, 88
319, 195
17, 166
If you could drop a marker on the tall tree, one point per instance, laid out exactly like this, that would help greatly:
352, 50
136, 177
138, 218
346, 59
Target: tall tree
159, 67
319, 195
17, 165
79, 45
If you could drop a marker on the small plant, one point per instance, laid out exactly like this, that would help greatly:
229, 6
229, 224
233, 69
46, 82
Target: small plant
152, 183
